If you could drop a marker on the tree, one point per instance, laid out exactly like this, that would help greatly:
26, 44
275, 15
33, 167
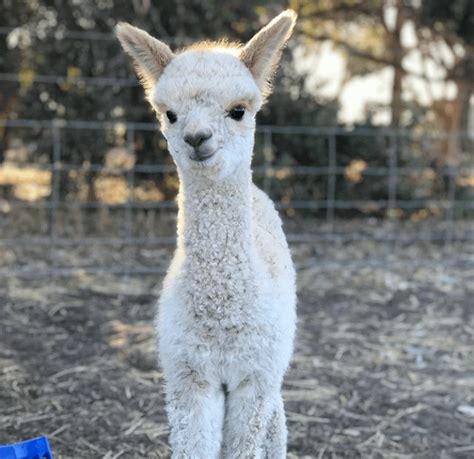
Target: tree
45, 39
364, 31
452, 24
370, 34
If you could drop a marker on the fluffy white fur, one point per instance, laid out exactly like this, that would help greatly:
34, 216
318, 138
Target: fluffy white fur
226, 317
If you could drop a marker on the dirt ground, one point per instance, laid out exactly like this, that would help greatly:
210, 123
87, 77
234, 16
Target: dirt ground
384, 362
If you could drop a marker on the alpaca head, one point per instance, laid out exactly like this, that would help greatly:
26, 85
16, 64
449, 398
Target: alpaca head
206, 96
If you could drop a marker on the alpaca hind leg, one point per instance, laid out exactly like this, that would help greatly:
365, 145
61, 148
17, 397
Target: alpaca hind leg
274, 445
196, 416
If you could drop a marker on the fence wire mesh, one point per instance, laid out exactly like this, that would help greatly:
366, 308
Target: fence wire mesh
78, 205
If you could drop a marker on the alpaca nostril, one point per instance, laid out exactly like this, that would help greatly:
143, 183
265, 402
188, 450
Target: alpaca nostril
198, 138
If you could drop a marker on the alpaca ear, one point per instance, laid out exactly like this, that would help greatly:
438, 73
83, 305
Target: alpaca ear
262, 53
150, 56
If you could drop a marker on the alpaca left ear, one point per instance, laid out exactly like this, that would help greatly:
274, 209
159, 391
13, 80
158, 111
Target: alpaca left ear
149, 55
262, 53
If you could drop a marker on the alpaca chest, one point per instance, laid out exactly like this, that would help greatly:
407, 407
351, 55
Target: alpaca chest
220, 289
218, 274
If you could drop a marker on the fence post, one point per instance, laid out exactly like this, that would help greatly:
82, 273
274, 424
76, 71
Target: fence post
130, 181
56, 175
393, 140
331, 188
451, 197
130, 187
392, 172
55, 189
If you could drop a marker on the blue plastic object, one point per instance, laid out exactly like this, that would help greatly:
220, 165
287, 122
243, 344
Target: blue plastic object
38, 448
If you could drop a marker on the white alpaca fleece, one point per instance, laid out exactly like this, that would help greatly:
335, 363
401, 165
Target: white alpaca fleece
226, 318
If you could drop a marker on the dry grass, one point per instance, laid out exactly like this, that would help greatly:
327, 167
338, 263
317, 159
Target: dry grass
384, 366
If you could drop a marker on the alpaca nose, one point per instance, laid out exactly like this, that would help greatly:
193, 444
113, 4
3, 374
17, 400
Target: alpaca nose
198, 138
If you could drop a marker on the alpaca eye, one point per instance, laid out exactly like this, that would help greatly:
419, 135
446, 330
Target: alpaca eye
237, 113
171, 116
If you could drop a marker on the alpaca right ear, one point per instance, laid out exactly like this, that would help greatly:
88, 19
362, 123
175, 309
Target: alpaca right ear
262, 53
150, 56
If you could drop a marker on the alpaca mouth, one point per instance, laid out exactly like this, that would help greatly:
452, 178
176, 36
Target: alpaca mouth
201, 158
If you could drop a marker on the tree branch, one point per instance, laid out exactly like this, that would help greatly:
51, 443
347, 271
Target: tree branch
356, 10
363, 54
352, 50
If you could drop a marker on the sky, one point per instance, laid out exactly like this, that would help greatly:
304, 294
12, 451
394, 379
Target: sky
326, 65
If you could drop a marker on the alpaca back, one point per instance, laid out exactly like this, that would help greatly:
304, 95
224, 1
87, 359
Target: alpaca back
270, 241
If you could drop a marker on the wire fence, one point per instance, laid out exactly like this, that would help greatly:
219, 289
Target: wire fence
320, 223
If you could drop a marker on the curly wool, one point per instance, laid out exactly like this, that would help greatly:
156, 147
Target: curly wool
227, 310
226, 318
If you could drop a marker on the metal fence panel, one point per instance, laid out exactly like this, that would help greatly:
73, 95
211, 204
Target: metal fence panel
325, 228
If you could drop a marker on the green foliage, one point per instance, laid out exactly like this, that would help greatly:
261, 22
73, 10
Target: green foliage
42, 44
457, 16
45, 42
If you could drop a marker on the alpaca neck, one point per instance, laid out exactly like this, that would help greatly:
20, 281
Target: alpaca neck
214, 223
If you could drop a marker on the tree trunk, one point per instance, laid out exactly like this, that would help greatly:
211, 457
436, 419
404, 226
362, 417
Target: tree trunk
458, 125
464, 99
397, 53
397, 98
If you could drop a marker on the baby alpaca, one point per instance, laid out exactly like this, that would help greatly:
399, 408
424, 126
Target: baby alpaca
226, 317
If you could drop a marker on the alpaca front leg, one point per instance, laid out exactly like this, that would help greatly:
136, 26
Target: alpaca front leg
274, 446
196, 416
248, 409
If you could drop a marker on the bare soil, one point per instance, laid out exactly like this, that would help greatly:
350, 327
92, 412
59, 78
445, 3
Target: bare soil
384, 362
